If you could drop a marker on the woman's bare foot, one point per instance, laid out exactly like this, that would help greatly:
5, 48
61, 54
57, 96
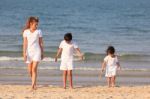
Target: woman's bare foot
35, 88
32, 89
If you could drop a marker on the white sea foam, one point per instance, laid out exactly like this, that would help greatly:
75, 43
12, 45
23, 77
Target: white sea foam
46, 59
78, 68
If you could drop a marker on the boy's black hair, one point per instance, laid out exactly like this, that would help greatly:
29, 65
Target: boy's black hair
110, 50
68, 37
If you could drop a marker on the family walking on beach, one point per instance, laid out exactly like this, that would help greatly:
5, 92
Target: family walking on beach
33, 53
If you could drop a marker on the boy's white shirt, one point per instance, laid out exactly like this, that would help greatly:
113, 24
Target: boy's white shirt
67, 50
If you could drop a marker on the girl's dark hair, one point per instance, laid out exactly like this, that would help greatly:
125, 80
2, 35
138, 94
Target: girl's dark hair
30, 20
68, 37
110, 50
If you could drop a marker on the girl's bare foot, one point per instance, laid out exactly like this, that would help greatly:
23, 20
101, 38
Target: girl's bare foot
64, 87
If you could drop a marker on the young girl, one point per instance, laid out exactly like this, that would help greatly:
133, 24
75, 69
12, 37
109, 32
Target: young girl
111, 64
66, 49
32, 47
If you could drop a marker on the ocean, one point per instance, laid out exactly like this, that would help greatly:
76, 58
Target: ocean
95, 24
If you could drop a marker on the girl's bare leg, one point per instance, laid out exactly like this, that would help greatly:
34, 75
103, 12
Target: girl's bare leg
34, 74
64, 78
113, 81
109, 81
70, 78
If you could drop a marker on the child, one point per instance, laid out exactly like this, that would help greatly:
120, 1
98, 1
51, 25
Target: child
66, 49
111, 64
32, 47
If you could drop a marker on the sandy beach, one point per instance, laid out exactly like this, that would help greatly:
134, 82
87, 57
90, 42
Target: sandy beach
15, 84
54, 92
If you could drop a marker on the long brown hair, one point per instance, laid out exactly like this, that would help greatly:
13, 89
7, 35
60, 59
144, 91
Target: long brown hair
30, 20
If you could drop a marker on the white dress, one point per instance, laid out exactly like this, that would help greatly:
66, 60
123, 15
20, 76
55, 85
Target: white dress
33, 48
111, 65
67, 55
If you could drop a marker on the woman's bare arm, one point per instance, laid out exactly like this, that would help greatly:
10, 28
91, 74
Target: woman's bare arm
41, 43
25, 43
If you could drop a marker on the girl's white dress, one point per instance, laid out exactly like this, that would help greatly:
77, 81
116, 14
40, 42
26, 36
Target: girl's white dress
33, 48
111, 65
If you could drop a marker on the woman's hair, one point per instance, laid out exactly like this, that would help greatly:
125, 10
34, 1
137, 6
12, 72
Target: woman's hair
30, 20
110, 50
68, 37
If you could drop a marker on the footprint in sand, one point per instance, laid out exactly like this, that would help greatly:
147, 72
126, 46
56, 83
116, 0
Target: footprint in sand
27, 97
70, 97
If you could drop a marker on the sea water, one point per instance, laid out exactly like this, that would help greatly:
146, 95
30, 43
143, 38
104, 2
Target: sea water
95, 24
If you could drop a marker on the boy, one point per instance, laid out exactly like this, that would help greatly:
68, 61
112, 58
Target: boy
66, 50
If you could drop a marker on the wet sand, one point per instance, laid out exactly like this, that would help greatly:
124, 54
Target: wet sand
80, 78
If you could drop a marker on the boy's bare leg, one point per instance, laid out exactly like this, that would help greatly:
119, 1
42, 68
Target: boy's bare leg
70, 78
64, 78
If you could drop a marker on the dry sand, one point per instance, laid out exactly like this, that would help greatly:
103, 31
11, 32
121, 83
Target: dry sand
55, 92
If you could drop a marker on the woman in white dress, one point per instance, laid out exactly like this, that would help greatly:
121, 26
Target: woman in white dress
32, 47
111, 64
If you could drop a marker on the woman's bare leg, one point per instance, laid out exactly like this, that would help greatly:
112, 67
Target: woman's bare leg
30, 69
34, 74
